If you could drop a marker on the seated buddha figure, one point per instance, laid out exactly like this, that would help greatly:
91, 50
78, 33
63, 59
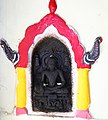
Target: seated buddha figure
50, 75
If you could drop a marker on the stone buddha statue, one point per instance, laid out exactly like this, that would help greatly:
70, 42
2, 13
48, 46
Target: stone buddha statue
50, 76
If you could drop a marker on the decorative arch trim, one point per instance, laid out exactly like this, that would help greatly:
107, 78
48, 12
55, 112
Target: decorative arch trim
39, 28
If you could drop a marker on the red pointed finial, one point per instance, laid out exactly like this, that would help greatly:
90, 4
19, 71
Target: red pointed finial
52, 6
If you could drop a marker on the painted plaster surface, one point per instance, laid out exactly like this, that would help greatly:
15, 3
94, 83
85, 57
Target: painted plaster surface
14, 19
10, 117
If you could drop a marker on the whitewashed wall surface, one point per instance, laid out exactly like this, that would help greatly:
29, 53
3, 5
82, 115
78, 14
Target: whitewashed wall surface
88, 17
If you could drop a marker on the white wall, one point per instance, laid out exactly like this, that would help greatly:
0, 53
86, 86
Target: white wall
88, 17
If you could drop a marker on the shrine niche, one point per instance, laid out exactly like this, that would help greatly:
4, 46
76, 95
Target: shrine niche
47, 50
51, 76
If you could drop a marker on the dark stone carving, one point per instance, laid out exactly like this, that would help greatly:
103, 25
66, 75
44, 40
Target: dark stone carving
51, 77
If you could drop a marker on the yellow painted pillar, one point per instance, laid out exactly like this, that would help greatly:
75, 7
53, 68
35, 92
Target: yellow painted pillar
21, 87
83, 91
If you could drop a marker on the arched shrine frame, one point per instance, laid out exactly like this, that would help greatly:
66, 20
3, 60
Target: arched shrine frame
83, 91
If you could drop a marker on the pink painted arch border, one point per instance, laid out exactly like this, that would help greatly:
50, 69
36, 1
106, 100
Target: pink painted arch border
39, 28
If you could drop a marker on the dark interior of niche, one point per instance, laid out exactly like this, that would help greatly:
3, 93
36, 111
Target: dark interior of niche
51, 83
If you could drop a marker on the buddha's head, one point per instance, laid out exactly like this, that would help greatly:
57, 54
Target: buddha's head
51, 63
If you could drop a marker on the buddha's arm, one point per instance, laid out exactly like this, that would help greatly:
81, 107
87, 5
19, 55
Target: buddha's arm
62, 78
43, 75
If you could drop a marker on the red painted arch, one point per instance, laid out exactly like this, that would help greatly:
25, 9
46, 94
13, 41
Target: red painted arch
39, 28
